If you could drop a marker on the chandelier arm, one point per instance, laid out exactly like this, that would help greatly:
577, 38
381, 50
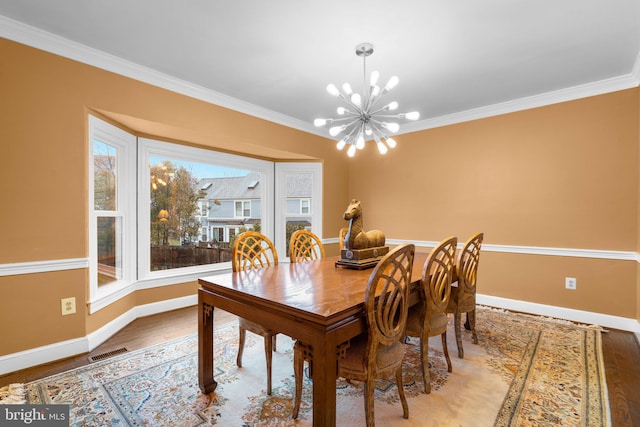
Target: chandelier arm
350, 113
375, 100
376, 126
348, 102
354, 127
388, 116
353, 105
340, 119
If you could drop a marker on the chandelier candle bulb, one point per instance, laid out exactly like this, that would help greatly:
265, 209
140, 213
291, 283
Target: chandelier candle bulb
393, 82
360, 118
333, 90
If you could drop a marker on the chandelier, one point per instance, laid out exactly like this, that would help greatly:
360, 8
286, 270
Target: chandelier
361, 118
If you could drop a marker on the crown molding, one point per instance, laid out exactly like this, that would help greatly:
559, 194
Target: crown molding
635, 74
563, 95
43, 40
35, 37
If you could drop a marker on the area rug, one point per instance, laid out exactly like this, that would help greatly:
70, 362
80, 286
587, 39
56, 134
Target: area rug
526, 371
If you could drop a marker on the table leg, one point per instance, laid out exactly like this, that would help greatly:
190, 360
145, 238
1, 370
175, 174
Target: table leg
324, 382
205, 346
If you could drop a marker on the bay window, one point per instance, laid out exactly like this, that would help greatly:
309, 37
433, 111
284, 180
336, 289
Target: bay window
164, 213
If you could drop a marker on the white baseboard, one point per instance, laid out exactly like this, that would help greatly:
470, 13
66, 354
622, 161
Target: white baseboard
60, 350
49, 353
605, 320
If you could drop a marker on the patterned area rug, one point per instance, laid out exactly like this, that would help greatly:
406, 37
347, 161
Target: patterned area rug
526, 371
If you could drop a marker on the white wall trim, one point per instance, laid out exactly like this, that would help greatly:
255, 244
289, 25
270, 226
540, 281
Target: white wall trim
49, 353
604, 320
43, 266
35, 37
563, 95
77, 263
60, 350
535, 250
40, 39
636, 70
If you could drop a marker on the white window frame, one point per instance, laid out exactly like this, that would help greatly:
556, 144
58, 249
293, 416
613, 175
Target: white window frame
315, 214
125, 143
134, 203
243, 203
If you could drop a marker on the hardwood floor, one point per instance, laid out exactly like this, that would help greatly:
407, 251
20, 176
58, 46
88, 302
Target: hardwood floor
620, 349
622, 367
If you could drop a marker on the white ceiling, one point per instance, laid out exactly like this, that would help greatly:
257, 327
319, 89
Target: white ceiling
456, 60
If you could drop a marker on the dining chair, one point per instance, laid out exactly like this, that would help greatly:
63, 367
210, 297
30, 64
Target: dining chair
305, 246
379, 352
463, 296
251, 251
428, 318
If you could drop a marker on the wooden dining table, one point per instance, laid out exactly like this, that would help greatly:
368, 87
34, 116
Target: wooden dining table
316, 302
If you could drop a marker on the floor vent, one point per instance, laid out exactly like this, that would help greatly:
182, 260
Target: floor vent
108, 354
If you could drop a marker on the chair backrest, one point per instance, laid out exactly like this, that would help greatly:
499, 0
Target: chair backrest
305, 246
436, 275
387, 296
342, 236
252, 250
468, 264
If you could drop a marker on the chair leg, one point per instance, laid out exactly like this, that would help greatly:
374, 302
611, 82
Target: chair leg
268, 349
369, 387
243, 336
424, 355
471, 318
467, 324
298, 368
446, 351
403, 398
457, 318
273, 342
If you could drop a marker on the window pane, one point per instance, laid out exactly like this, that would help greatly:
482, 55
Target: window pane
109, 250
105, 174
298, 191
191, 206
304, 206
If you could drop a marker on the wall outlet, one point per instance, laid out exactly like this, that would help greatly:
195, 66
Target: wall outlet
68, 305
570, 283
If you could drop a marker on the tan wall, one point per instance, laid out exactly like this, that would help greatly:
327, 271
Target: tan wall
561, 176
43, 180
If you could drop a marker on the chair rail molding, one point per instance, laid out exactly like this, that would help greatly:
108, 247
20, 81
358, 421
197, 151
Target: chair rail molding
538, 250
43, 266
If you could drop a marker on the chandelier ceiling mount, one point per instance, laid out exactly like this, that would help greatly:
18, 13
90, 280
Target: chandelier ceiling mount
362, 119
